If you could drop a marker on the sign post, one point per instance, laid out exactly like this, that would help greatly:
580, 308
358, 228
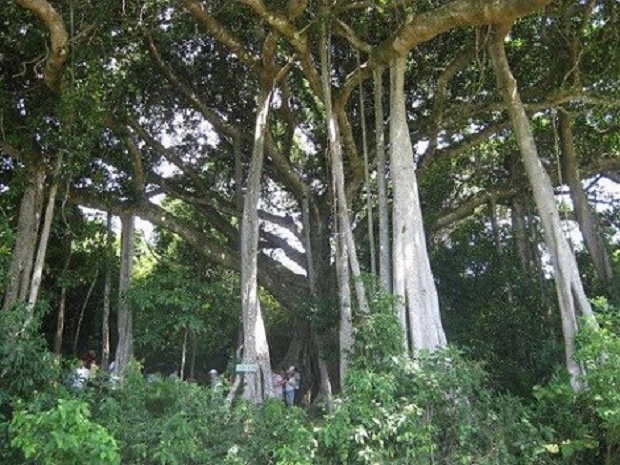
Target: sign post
246, 368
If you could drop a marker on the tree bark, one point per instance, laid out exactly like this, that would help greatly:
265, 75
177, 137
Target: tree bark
60, 321
385, 269
107, 290
37, 273
78, 328
325, 386
25, 241
124, 346
519, 226
571, 296
345, 245
367, 189
586, 218
60, 318
258, 385
413, 278
58, 51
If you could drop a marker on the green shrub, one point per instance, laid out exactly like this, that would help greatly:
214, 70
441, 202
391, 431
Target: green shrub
64, 435
28, 367
432, 410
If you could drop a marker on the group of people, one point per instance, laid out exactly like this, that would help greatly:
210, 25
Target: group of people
286, 385
285, 382
86, 370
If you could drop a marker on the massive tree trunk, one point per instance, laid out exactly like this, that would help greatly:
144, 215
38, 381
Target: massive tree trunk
124, 346
571, 296
413, 278
258, 385
586, 218
385, 269
26, 239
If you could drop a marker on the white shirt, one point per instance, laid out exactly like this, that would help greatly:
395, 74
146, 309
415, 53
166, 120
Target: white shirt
81, 376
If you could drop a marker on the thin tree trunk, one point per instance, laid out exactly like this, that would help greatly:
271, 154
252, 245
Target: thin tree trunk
238, 174
183, 355
107, 290
124, 346
60, 321
25, 242
571, 296
586, 218
371, 225
385, 270
412, 270
78, 328
499, 250
345, 246
258, 385
524, 251
192, 363
37, 273
325, 386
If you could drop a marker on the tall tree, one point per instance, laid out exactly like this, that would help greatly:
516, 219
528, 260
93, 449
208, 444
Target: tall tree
258, 385
413, 280
586, 217
571, 295
124, 346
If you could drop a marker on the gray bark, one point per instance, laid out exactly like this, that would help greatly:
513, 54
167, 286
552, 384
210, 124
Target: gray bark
345, 246
385, 269
107, 290
25, 240
258, 385
60, 321
124, 346
367, 189
586, 218
571, 296
37, 273
413, 278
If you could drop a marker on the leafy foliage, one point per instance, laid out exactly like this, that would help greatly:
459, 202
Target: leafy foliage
63, 435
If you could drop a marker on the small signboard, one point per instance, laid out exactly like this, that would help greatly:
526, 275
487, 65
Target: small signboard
246, 368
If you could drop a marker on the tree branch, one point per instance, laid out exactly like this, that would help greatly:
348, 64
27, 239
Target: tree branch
59, 39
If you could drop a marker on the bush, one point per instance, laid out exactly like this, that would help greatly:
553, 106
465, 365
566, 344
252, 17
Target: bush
433, 410
64, 435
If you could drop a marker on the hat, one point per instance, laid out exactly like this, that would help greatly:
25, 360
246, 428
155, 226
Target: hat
213, 371
291, 368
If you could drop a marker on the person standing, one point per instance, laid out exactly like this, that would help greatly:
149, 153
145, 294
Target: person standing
291, 386
278, 383
80, 376
217, 388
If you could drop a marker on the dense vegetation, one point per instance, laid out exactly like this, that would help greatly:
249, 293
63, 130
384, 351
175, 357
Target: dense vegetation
413, 202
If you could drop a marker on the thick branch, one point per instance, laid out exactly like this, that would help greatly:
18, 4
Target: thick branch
424, 27
221, 33
59, 39
286, 286
298, 40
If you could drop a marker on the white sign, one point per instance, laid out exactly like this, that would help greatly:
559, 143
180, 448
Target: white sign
247, 368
